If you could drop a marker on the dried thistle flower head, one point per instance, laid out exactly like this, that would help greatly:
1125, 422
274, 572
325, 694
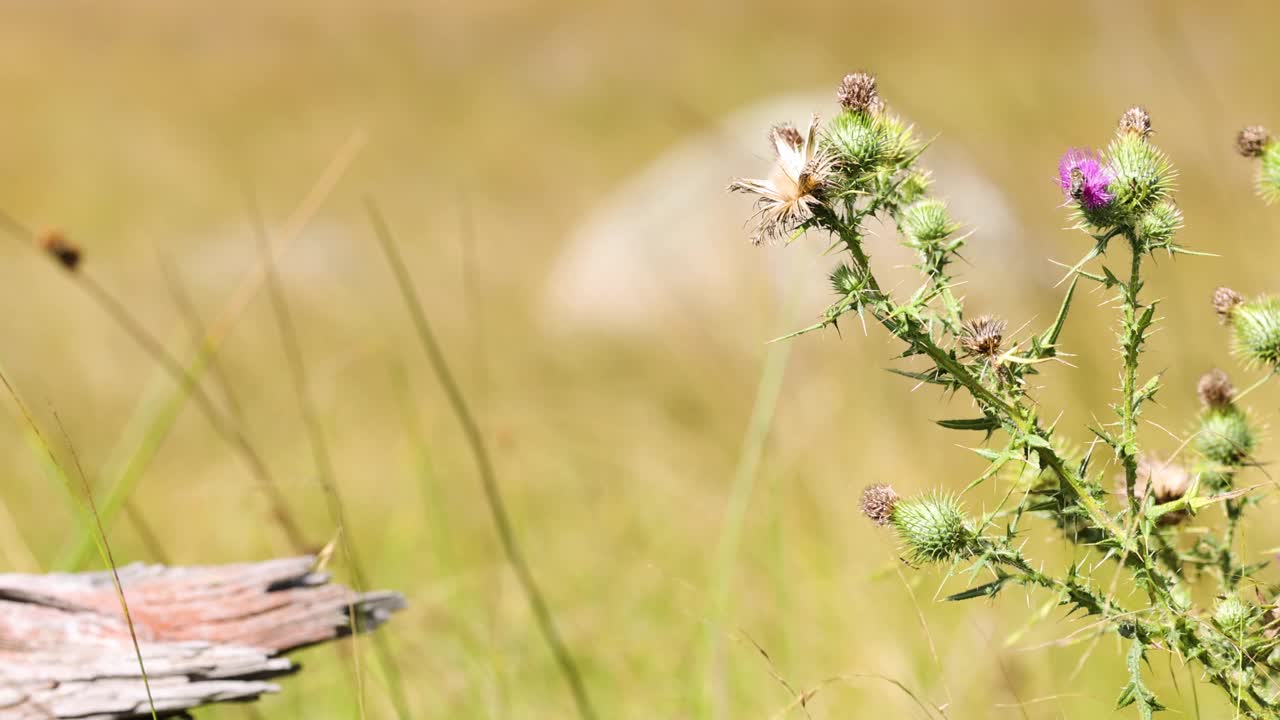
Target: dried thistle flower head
1164, 480
1252, 141
1225, 302
787, 197
1136, 120
1215, 389
56, 244
983, 336
878, 503
858, 93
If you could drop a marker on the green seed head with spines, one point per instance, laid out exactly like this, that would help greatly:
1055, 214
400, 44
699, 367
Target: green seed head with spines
933, 528
1257, 331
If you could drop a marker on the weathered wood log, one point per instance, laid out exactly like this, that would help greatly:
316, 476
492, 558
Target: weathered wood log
207, 634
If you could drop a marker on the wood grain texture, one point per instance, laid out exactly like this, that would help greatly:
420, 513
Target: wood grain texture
207, 634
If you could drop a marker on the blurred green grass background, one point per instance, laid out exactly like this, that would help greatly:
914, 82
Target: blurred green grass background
493, 130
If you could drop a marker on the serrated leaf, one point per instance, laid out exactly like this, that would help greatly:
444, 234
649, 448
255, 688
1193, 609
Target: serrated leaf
935, 377
987, 423
988, 590
1050, 336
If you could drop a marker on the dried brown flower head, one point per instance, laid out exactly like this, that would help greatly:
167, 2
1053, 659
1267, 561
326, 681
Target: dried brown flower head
1215, 389
858, 93
983, 336
56, 244
1252, 141
787, 197
1136, 120
1165, 480
1225, 302
788, 134
878, 502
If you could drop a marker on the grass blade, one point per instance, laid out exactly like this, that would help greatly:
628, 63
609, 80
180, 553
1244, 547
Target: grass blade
488, 479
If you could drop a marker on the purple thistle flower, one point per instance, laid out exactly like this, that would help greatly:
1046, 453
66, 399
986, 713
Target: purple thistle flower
1084, 179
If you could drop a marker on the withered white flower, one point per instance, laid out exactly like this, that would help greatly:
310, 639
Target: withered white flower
787, 196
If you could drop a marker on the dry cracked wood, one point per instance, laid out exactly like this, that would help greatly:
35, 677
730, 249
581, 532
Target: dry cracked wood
207, 634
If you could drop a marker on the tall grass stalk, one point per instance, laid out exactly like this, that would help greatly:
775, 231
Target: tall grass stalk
323, 461
104, 546
187, 378
488, 478
741, 489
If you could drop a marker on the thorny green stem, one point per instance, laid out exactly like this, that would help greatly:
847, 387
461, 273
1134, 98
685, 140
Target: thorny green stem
888, 314
1131, 342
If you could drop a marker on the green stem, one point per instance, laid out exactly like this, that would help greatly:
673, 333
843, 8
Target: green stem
889, 315
1131, 344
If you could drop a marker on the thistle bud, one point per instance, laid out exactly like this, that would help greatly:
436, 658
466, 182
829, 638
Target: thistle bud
878, 503
933, 528
1135, 121
983, 336
1252, 141
56, 245
1269, 173
1215, 389
858, 94
1143, 176
927, 222
1257, 330
1232, 614
845, 281
1156, 227
1225, 302
1225, 436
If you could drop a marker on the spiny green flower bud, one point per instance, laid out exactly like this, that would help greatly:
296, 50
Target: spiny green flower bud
933, 528
878, 503
1158, 225
1143, 176
1257, 330
1135, 121
862, 143
1215, 389
1232, 614
1252, 141
1269, 173
914, 186
927, 222
1225, 436
844, 280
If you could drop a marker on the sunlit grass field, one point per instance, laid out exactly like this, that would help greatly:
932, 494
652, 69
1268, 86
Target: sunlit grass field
686, 495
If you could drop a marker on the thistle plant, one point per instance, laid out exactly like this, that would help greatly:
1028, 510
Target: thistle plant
1168, 525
